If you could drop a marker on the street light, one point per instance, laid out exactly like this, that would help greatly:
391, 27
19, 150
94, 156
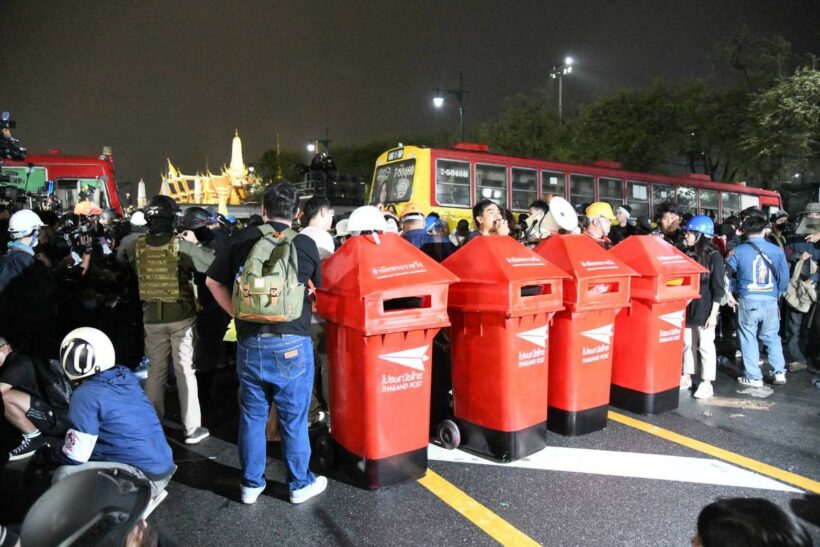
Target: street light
438, 100
313, 144
559, 71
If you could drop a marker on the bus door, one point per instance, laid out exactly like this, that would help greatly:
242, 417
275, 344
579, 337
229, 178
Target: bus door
68, 191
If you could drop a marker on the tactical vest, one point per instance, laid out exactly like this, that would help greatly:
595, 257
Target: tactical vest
158, 271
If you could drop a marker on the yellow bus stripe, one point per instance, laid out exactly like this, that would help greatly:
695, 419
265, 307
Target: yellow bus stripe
742, 461
498, 528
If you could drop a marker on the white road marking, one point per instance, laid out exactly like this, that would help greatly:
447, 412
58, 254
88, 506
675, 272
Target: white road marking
625, 464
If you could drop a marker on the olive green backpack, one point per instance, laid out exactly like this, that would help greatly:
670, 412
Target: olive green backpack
267, 289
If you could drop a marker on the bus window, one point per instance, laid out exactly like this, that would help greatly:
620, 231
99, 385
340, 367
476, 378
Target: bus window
491, 183
709, 203
581, 190
661, 196
524, 188
553, 183
731, 204
747, 201
611, 191
453, 183
637, 197
687, 201
393, 182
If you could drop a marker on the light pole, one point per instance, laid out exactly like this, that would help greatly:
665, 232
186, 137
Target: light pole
313, 144
438, 100
559, 71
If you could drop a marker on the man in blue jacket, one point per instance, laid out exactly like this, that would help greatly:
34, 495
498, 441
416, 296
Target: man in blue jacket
113, 425
760, 275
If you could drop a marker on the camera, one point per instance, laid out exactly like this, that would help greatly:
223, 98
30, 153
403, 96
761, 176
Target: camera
10, 148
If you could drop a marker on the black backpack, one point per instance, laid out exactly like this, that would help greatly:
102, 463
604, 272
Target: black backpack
54, 385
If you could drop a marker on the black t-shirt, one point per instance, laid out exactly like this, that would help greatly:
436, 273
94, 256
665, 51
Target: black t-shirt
227, 263
18, 372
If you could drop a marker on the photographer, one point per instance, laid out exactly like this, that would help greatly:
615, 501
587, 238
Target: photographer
10, 148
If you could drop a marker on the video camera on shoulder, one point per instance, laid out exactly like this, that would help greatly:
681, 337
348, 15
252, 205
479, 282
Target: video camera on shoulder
10, 148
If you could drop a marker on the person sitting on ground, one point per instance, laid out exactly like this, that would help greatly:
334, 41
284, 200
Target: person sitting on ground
489, 220
748, 522
113, 425
599, 221
436, 246
25, 405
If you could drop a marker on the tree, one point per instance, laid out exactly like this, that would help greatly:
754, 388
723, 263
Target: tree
634, 128
784, 134
760, 58
529, 127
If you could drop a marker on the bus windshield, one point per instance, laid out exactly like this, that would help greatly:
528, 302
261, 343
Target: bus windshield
393, 182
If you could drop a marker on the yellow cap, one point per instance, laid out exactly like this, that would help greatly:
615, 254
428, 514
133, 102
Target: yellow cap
411, 209
87, 208
600, 209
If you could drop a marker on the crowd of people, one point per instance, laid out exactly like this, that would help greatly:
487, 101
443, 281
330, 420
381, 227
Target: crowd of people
88, 301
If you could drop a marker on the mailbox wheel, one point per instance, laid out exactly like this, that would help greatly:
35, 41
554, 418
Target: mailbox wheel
325, 451
448, 434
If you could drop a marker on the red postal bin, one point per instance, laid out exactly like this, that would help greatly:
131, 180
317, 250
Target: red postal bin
581, 349
500, 313
384, 301
649, 336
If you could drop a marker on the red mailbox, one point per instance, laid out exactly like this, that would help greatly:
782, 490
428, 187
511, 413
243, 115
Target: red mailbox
384, 301
582, 335
500, 313
649, 336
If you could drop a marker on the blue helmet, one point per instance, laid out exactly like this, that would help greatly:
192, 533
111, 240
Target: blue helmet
702, 224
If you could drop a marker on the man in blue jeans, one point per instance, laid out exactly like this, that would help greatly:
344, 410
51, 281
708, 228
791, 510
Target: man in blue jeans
274, 361
760, 275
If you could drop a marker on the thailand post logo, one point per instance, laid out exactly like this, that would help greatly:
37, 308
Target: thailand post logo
411, 358
413, 379
674, 318
537, 336
600, 334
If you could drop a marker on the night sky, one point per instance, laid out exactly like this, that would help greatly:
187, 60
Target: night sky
157, 79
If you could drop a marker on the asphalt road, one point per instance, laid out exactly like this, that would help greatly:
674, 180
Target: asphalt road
626, 485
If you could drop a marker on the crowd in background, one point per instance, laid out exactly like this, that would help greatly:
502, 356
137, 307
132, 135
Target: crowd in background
128, 308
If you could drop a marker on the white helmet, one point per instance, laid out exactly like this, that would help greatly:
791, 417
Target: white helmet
342, 228
138, 219
366, 219
24, 223
86, 351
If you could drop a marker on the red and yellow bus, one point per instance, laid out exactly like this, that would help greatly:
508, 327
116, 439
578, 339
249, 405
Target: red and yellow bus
450, 181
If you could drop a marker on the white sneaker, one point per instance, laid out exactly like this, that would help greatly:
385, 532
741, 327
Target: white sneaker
251, 493
779, 378
309, 491
704, 391
749, 382
685, 382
